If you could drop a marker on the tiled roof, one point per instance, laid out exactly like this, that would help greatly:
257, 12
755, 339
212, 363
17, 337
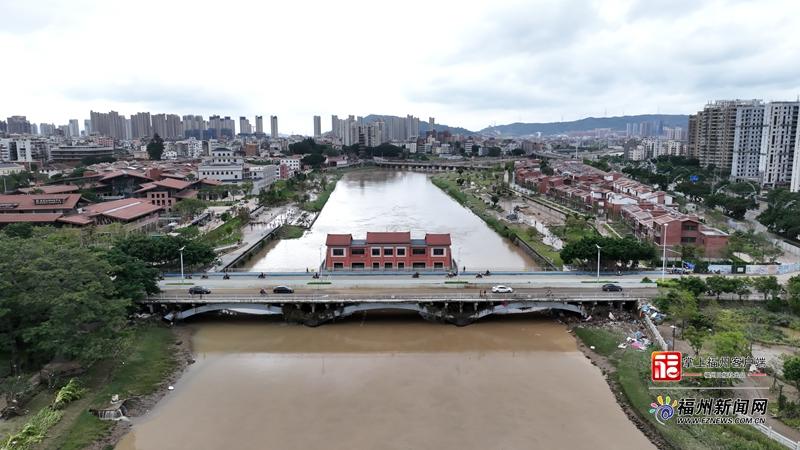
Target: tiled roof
437, 239
339, 239
389, 237
51, 189
122, 173
35, 218
124, 209
173, 183
38, 202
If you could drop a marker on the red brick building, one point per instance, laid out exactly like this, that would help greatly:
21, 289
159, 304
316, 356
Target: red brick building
388, 251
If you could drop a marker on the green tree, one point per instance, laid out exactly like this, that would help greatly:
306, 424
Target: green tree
791, 371
155, 148
21, 230
695, 285
695, 336
189, 207
132, 277
717, 285
683, 305
793, 293
767, 286
730, 343
495, 199
163, 251
57, 298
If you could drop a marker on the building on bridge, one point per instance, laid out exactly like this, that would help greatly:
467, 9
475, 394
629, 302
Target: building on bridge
388, 251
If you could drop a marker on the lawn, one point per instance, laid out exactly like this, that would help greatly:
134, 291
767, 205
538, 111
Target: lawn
632, 376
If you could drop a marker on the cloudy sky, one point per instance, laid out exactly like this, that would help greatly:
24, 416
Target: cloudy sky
472, 64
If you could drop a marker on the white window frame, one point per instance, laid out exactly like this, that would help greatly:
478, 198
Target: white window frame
372, 251
343, 255
397, 251
434, 249
390, 249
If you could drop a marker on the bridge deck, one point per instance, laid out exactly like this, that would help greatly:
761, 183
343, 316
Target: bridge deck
366, 298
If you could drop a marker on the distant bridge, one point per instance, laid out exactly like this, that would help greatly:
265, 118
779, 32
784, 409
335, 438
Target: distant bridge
313, 310
441, 166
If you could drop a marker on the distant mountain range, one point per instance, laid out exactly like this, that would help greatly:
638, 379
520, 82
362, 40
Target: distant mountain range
590, 123
554, 128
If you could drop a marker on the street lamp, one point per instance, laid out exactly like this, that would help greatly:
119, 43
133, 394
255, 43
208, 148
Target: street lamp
673, 336
664, 258
598, 262
181, 250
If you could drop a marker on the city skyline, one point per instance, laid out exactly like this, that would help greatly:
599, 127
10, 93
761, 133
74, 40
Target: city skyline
505, 62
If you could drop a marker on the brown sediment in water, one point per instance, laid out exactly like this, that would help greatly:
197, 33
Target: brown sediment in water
387, 382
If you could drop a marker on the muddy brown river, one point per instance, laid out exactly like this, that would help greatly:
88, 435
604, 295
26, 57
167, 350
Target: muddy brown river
387, 381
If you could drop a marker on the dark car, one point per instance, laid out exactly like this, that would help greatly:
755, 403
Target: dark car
612, 288
282, 290
199, 290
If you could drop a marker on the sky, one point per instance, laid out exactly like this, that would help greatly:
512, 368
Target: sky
470, 64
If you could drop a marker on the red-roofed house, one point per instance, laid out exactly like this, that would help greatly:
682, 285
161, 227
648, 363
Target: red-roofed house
388, 251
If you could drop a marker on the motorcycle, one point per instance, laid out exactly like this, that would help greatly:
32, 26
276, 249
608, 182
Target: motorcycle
487, 273
478, 276
261, 275
226, 277
415, 275
204, 276
263, 292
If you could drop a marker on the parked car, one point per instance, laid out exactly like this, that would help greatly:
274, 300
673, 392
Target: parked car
500, 289
282, 290
199, 290
612, 287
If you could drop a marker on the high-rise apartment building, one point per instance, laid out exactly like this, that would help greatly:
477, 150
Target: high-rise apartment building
317, 126
779, 143
47, 129
747, 143
159, 122
174, 129
87, 127
109, 124
244, 126
259, 124
273, 127
141, 126
18, 125
74, 128
193, 126
712, 133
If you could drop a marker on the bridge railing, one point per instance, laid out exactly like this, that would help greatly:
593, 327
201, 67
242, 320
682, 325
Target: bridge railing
348, 298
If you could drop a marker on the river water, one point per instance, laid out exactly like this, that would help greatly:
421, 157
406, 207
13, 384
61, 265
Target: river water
382, 200
387, 382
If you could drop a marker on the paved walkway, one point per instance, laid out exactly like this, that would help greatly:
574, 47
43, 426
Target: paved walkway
264, 223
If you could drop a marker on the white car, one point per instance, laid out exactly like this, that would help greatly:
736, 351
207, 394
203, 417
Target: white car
500, 289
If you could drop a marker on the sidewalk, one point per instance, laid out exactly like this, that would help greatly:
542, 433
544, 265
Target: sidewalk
252, 233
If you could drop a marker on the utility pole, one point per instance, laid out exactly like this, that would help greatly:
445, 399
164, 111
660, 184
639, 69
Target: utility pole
598, 262
664, 258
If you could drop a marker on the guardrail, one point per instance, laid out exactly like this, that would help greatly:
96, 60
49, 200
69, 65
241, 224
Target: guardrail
349, 298
772, 434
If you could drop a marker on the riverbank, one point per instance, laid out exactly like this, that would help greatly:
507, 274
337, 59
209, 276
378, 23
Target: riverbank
152, 357
527, 235
627, 372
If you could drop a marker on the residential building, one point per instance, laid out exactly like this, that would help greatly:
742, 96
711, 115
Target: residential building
79, 151
712, 138
223, 165
778, 143
273, 127
259, 124
244, 126
74, 129
292, 163
28, 149
18, 125
317, 126
141, 126
7, 168
388, 251
747, 143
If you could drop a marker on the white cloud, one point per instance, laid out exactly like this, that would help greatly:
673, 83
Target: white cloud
466, 63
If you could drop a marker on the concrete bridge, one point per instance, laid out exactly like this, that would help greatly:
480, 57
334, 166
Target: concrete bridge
440, 166
313, 310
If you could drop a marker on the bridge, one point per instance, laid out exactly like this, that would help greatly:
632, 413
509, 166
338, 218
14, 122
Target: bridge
313, 310
440, 166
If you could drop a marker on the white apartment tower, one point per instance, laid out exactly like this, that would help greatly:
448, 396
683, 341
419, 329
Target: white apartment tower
317, 126
778, 143
273, 127
747, 143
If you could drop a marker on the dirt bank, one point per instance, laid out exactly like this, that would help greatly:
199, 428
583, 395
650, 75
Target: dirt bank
142, 405
608, 370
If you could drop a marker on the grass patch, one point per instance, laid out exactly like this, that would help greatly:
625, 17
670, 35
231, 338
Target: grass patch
228, 233
318, 203
632, 376
320, 282
290, 232
148, 358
